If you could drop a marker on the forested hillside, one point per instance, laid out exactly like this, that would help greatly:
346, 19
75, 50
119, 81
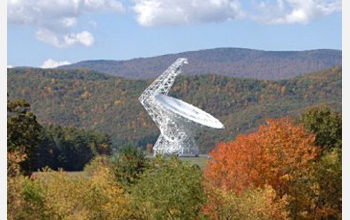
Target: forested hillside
236, 62
109, 104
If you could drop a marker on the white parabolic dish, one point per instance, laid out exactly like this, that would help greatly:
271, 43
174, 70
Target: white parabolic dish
188, 111
176, 119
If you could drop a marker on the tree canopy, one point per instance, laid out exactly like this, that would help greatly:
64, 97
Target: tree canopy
326, 124
23, 133
108, 104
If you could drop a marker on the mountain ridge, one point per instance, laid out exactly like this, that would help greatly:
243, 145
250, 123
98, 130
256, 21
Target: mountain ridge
235, 62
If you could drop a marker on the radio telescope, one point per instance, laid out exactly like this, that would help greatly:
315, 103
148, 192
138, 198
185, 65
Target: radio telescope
176, 119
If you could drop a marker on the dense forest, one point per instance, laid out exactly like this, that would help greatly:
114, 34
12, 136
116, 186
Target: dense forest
285, 170
235, 62
69, 148
108, 104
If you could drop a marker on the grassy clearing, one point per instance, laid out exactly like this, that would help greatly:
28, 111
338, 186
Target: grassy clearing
201, 161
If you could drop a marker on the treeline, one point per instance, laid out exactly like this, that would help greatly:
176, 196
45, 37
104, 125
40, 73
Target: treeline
286, 169
70, 148
108, 104
51, 146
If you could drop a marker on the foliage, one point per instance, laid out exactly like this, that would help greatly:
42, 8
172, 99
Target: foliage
276, 172
38, 146
55, 195
23, 132
128, 164
13, 162
284, 156
25, 199
316, 193
169, 189
268, 156
328, 176
80, 198
326, 124
257, 204
108, 104
96, 162
107, 199
70, 148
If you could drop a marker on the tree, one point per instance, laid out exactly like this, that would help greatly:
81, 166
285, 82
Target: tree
326, 124
57, 195
328, 179
128, 164
316, 192
70, 148
25, 199
23, 132
14, 159
169, 189
257, 204
268, 156
96, 197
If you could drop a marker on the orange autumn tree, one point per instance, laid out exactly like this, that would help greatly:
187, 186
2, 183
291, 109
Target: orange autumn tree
268, 156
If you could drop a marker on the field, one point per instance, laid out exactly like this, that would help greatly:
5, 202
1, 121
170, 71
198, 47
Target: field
201, 161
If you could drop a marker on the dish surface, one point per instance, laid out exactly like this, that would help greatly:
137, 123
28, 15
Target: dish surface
188, 111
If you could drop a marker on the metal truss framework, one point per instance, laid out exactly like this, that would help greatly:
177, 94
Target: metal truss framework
177, 133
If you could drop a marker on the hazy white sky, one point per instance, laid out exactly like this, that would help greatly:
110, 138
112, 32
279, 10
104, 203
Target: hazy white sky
47, 33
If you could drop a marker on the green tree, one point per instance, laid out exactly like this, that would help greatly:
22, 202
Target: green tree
169, 189
326, 124
70, 148
316, 193
23, 132
128, 164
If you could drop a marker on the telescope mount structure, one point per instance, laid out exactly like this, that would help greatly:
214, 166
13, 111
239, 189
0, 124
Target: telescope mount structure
176, 120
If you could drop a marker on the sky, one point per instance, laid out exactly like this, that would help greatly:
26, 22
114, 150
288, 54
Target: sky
49, 33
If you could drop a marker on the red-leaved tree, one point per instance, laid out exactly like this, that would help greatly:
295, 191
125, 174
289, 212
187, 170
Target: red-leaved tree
268, 156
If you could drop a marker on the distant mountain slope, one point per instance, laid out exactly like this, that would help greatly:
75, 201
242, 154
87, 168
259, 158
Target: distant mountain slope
236, 62
109, 104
